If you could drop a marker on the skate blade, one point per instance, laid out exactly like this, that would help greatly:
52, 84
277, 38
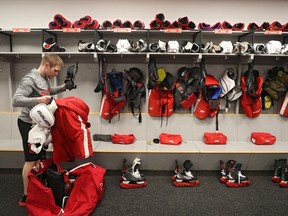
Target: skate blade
174, 179
129, 182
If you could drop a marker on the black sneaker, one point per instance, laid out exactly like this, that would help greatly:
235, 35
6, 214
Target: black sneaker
22, 201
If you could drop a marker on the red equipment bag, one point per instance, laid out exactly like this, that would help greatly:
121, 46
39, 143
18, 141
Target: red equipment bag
40, 200
123, 138
87, 191
262, 138
170, 139
215, 138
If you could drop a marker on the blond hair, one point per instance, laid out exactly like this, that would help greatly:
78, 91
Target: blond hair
52, 60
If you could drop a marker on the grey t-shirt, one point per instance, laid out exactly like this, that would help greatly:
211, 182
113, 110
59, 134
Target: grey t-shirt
31, 86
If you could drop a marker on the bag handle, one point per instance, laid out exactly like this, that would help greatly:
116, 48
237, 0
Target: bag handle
80, 166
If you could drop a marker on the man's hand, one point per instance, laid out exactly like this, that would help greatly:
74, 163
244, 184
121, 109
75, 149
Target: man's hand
44, 99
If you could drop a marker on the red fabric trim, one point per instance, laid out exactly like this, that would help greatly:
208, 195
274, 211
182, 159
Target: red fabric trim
133, 186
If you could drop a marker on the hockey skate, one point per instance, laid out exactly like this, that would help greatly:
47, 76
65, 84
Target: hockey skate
183, 176
279, 167
284, 178
236, 178
225, 169
131, 177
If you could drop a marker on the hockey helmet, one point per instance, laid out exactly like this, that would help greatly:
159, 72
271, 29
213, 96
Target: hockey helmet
260, 48
185, 47
142, 45
162, 46
173, 46
226, 46
153, 47
273, 47
101, 45
123, 46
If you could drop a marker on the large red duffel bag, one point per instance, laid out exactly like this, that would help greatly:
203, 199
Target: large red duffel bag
84, 194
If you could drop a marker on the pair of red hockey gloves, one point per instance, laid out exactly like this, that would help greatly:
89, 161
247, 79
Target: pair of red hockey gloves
87, 22
60, 22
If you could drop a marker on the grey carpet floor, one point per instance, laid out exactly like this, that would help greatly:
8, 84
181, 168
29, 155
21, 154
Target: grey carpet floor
162, 198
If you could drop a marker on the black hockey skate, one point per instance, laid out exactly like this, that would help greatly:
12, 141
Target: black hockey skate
131, 177
279, 167
284, 178
236, 178
49, 45
183, 176
225, 169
